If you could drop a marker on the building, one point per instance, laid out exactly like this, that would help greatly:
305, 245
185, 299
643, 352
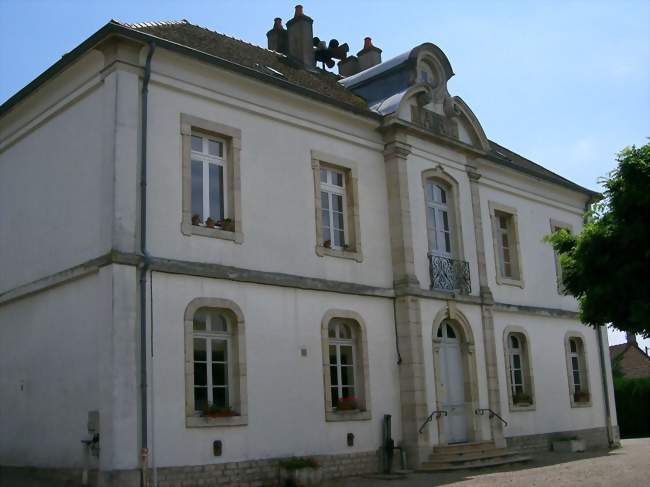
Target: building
633, 362
215, 255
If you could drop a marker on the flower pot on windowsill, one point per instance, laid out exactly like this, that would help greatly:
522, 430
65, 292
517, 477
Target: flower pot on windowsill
210, 223
226, 224
219, 412
327, 244
581, 397
347, 404
522, 400
196, 220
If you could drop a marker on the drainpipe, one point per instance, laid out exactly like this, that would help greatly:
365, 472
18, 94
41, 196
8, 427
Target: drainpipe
603, 369
144, 267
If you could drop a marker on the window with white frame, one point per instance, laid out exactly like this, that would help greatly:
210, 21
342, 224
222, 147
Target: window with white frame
208, 173
506, 241
519, 370
342, 360
212, 362
577, 370
438, 219
333, 207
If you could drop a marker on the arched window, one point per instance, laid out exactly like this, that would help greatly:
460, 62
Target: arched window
519, 371
215, 363
439, 221
577, 371
342, 364
345, 366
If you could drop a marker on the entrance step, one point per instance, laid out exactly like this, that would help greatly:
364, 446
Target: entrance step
470, 456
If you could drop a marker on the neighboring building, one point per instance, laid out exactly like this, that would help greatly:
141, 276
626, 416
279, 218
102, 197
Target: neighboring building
633, 362
313, 253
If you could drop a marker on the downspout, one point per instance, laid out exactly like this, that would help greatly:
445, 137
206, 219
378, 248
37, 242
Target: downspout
144, 268
603, 369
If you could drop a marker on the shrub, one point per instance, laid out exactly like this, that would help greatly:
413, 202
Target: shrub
632, 399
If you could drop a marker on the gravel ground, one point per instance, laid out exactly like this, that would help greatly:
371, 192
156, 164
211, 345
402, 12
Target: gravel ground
628, 466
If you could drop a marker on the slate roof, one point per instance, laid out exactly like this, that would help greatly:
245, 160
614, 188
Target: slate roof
251, 56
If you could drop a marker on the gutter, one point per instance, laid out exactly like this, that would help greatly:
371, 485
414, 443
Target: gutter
144, 267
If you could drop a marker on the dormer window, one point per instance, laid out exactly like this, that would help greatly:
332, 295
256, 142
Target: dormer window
425, 74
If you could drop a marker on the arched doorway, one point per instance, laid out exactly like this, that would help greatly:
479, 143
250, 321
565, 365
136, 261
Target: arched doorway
455, 380
452, 384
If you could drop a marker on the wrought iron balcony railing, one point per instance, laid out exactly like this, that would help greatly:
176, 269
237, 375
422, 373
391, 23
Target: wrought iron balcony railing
449, 274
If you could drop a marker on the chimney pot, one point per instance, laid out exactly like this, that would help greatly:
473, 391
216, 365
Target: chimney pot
367, 43
298, 11
277, 23
277, 37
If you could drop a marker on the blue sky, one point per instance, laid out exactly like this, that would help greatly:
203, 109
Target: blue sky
564, 83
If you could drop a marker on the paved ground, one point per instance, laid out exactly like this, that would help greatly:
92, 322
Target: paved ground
628, 466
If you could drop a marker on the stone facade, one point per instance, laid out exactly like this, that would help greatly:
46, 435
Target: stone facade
594, 438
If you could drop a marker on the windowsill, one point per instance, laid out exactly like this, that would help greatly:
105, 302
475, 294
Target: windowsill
522, 407
581, 404
505, 281
206, 422
352, 415
341, 253
189, 229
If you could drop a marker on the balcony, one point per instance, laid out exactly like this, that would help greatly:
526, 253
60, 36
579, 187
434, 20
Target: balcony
449, 274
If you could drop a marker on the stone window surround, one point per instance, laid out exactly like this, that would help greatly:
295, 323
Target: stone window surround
582, 354
527, 367
362, 372
501, 280
239, 386
558, 270
352, 223
232, 137
438, 174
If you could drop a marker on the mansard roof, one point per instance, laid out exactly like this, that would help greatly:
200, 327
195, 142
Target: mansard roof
376, 92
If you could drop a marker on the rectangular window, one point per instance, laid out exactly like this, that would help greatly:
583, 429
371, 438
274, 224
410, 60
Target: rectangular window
506, 245
333, 208
208, 190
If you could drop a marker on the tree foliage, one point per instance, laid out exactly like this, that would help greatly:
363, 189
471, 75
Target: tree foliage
607, 266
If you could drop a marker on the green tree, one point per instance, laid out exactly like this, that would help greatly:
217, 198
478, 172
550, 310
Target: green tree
607, 266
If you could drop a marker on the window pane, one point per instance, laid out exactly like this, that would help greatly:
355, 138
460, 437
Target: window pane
443, 196
335, 396
338, 220
220, 397
339, 239
337, 179
200, 398
450, 332
199, 321
216, 191
516, 361
197, 143
445, 220
514, 343
346, 354
519, 389
517, 375
337, 202
199, 350
197, 189
507, 270
439, 334
347, 392
574, 347
347, 376
576, 378
219, 352
447, 242
324, 200
333, 360
345, 331
323, 175
574, 363
331, 330
327, 236
200, 374
219, 377
215, 148
334, 378
503, 222
218, 322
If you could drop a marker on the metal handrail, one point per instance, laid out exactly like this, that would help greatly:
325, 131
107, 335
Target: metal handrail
437, 413
482, 411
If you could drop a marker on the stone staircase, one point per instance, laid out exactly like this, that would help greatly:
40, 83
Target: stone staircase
469, 456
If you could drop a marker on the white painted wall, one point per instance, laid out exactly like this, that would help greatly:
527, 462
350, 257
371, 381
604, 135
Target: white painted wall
553, 411
286, 413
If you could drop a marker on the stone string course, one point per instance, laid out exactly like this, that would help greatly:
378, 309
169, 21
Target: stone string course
263, 473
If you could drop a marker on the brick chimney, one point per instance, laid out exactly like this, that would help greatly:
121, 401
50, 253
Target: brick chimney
300, 34
277, 37
369, 56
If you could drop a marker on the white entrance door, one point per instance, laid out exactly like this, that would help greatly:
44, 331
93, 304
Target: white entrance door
452, 385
